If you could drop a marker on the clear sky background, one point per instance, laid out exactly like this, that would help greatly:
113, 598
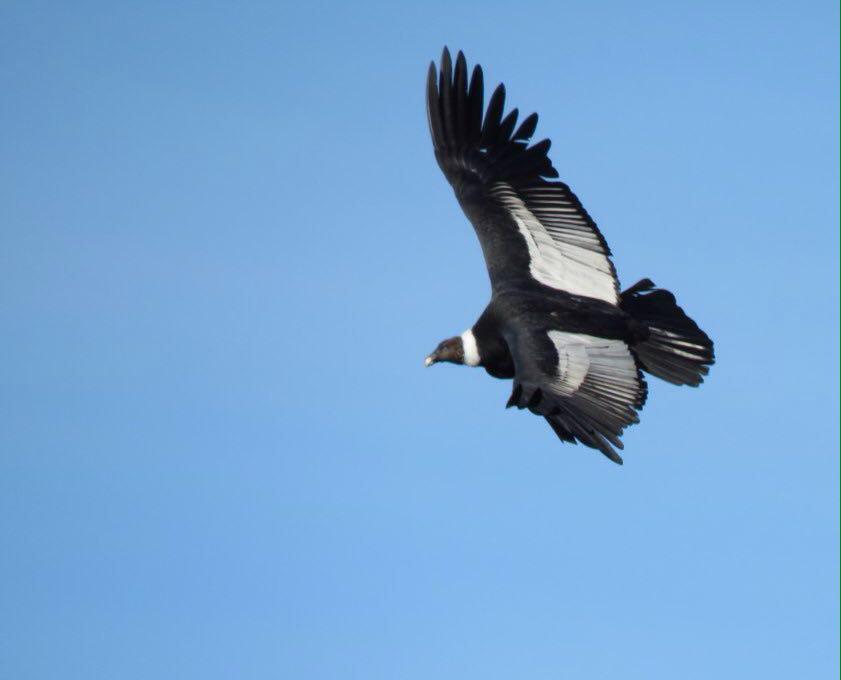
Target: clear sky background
227, 248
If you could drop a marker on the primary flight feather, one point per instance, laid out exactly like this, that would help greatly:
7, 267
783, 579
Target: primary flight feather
575, 347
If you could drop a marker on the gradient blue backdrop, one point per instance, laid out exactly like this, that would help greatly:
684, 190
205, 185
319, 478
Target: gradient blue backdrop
226, 249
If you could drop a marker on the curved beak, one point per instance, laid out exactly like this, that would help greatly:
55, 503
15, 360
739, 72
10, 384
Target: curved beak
431, 359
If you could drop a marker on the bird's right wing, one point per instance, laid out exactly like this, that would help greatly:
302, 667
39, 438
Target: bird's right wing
530, 228
588, 388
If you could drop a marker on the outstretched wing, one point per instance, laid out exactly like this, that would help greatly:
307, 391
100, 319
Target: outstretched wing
530, 228
588, 388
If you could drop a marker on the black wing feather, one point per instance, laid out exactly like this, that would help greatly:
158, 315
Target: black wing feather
503, 135
461, 110
447, 104
527, 128
433, 109
475, 98
493, 116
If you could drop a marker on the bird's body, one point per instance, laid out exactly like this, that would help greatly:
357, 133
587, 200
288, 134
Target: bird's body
542, 312
557, 323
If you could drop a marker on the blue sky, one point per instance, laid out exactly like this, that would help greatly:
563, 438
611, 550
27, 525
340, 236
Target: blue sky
226, 249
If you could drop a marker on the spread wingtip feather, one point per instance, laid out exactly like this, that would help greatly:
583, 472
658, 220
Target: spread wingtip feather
472, 138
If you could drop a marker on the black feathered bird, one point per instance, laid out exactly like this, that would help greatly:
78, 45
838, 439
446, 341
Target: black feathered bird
556, 324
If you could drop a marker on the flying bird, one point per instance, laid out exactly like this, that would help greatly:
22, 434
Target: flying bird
557, 324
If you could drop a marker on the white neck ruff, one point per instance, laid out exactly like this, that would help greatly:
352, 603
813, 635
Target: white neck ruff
471, 349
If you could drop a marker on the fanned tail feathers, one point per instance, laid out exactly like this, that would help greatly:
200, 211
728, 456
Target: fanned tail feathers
674, 348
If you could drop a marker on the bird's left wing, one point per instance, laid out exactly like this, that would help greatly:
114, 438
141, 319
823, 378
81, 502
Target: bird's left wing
530, 228
588, 388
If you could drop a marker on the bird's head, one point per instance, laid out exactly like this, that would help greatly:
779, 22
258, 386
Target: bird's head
451, 350
461, 349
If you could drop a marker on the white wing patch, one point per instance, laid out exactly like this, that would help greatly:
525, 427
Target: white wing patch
565, 251
606, 365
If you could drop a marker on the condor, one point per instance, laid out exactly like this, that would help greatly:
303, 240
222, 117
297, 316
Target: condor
557, 324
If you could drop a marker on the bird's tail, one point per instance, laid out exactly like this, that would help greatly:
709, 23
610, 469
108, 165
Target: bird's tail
671, 346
